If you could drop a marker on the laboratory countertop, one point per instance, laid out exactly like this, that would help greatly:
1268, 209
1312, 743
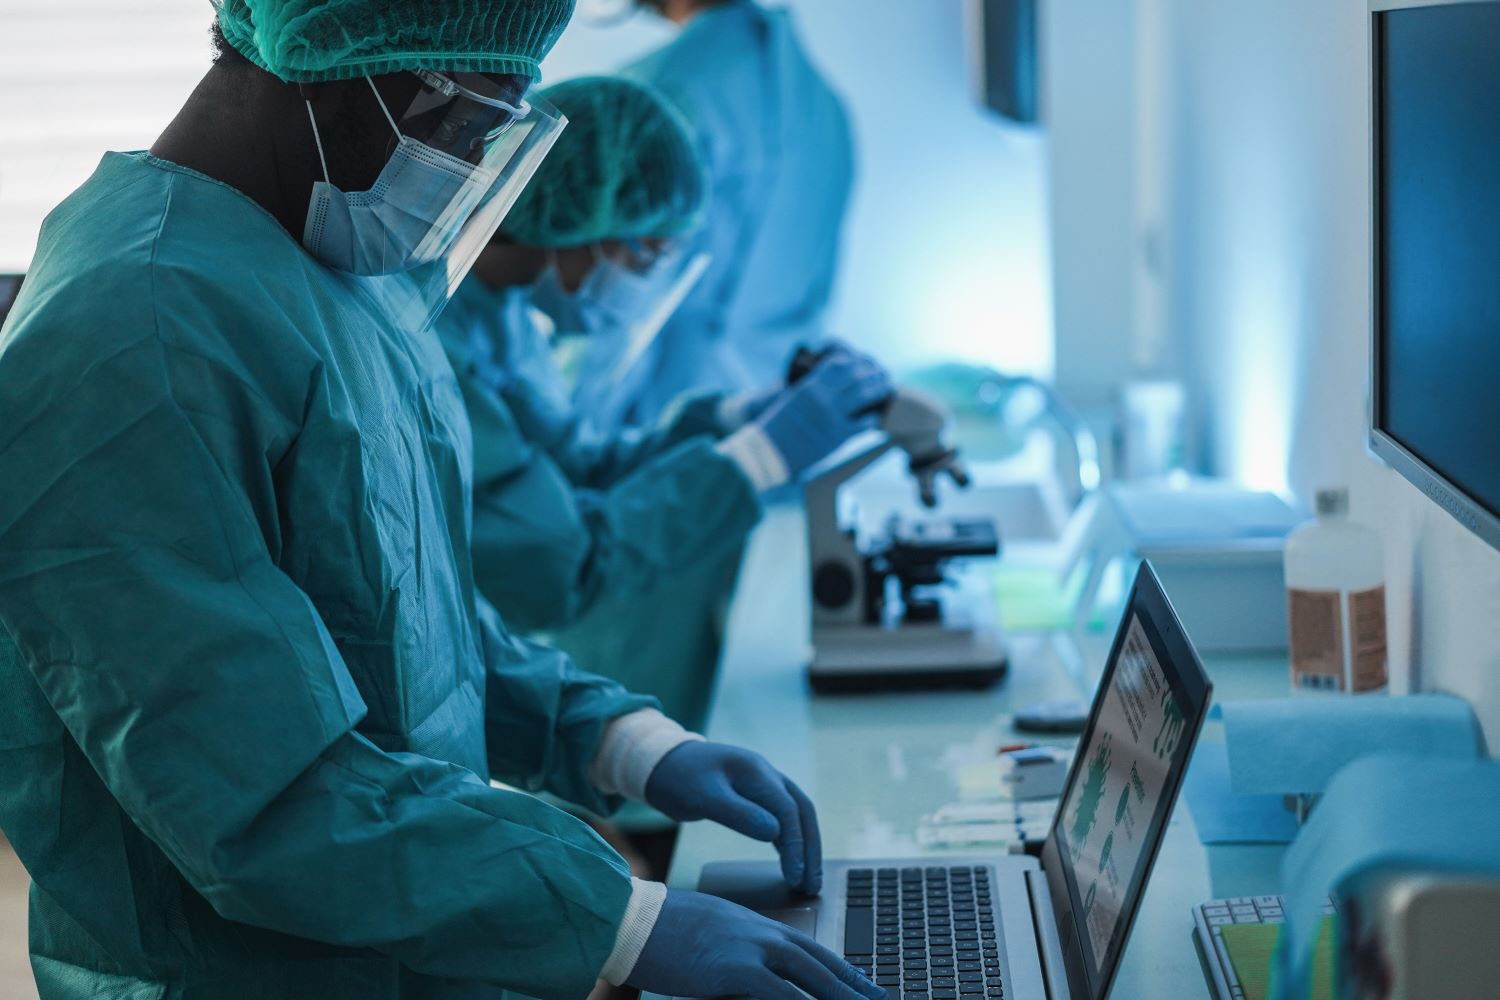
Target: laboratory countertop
876, 764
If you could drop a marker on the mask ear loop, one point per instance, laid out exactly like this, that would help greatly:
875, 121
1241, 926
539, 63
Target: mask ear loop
317, 139
384, 110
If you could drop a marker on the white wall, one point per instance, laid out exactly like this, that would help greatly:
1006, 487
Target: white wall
946, 250
1268, 152
1089, 54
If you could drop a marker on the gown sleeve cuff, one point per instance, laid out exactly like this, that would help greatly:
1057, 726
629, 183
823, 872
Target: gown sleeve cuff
646, 899
632, 746
757, 457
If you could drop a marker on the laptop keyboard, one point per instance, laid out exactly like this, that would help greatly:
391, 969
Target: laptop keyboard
924, 933
1239, 910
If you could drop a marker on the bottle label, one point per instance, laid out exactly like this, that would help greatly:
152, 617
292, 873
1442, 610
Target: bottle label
1317, 640
1367, 639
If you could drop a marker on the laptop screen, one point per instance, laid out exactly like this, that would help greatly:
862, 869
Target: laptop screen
1124, 782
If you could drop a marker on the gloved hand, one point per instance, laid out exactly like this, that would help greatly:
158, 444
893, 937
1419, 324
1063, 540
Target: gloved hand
738, 789
704, 946
744, 407
832, 403
757, 403
805, 358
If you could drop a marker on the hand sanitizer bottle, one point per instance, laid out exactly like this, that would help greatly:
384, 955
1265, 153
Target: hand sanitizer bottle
1335, 578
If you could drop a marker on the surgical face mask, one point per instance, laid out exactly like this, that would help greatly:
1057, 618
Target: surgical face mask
411, 215
625, 294
613, 296
571, 312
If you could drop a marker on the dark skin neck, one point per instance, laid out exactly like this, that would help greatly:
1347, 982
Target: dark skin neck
250, 130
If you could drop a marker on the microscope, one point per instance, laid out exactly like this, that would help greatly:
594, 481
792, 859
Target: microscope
886, 614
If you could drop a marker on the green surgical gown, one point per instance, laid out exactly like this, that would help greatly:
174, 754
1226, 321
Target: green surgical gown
780, 155
251, 701
625, 546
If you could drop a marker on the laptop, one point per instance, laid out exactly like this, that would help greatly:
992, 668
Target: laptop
1015, 927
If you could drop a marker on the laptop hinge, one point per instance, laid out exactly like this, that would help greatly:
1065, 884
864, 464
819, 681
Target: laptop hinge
1047, 945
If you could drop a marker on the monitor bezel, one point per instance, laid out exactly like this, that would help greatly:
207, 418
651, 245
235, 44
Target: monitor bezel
1448, 495
1149, 600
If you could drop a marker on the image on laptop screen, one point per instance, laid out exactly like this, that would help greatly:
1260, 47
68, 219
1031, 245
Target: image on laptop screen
1124, 785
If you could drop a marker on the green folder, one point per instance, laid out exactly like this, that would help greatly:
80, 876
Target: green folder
1252, 949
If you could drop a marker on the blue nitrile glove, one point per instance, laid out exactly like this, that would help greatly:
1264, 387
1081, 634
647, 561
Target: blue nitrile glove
742, 408
738, 789
745, 407
833, 348
704, 946
805, 359
758, 403
832, 403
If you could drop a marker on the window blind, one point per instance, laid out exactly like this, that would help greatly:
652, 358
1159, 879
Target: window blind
77, 78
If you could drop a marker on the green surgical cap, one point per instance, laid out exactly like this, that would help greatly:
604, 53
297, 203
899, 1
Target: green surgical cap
626, 167
305, 41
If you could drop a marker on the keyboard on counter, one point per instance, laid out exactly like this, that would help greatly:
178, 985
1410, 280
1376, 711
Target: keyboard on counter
1210, 917
924, 933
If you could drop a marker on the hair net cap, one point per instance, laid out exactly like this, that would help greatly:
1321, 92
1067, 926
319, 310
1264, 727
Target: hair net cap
626, 167
305, 41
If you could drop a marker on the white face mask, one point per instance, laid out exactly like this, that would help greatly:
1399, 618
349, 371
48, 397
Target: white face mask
612, 297
411, 215
570, 312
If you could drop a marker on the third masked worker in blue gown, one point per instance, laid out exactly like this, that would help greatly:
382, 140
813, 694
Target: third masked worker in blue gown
623, 547
251, 700
776, 140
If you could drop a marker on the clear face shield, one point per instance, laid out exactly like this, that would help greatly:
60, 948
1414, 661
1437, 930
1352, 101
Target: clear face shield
462, 152
643, 288
637, 292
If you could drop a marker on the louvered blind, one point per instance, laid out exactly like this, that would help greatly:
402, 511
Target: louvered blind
78, 77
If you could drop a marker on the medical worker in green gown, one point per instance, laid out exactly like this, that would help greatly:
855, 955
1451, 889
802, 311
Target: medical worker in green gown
780, 154
251, 700
623, 546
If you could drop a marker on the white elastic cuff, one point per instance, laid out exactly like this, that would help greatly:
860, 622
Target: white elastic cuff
757, 457
640, 917
632, 747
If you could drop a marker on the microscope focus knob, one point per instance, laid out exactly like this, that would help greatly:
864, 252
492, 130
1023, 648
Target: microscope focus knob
833, 584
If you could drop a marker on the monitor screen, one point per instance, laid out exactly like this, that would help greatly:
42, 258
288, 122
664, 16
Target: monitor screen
1436, 376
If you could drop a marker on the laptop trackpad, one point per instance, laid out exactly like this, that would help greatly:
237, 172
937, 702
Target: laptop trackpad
802, 918
759, 886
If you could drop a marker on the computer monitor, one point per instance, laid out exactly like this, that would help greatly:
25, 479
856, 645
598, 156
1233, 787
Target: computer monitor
1435, 373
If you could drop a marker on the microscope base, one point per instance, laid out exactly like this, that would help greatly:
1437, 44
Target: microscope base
855, 658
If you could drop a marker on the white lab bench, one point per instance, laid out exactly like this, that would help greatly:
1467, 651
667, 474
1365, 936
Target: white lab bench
875, 764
